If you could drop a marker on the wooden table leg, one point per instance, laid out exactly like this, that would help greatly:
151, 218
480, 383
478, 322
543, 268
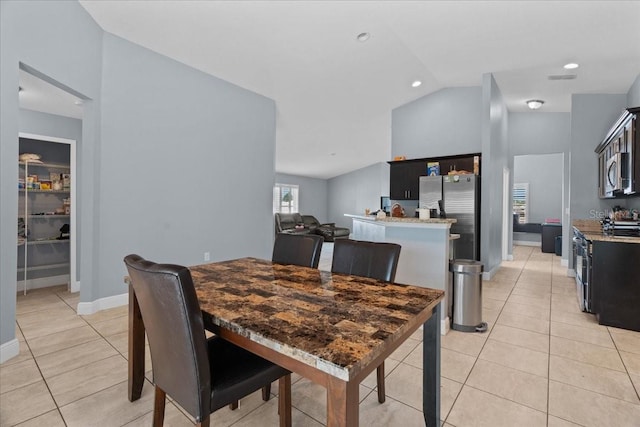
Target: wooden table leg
431, 369
342, 403
136, 348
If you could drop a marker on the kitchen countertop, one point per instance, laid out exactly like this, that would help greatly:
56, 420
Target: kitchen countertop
410, 220
592, 230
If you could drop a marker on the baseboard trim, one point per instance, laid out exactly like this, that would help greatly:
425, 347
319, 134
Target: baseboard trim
571, 272
75, 287
86, 308
9, 350
487, 275
445, 326
43, 282
564, 262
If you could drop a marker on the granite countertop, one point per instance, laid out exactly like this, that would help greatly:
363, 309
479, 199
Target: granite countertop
334, 322
592, 230
412, 220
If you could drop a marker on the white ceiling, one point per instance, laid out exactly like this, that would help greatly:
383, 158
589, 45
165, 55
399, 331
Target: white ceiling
334, 94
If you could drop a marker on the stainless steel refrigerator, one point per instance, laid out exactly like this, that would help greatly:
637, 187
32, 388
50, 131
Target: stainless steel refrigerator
456, 196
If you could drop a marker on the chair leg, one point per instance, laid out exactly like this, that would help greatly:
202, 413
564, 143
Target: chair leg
158, 407
204, 423
233, 406
266, 393
381, 392
284, 400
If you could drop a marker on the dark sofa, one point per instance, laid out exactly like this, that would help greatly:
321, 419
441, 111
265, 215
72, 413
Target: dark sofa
308, 224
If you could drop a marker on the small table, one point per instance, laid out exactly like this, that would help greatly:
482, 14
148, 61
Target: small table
333, 329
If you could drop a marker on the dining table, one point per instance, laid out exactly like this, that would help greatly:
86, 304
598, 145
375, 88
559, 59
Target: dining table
333, 329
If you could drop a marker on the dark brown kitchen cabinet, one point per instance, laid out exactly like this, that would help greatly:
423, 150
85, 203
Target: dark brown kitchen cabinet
404, 179
615, 286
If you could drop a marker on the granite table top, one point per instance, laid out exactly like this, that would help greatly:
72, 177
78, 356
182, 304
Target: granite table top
336, 323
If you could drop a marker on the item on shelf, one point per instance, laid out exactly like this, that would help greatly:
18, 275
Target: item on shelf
399, 158
21, 184
476, 165
433, 168
30, 157
56, 186
65, 231
397, 211
66, 181
66, 205
22, 229
45, 185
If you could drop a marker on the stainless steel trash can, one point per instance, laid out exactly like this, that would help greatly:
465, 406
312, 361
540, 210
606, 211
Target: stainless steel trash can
467, 295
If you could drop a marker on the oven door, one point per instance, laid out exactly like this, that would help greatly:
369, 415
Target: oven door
582, 274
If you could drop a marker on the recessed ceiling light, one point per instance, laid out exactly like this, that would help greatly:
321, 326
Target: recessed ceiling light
534, 104
416, 83
363, 37
571, 66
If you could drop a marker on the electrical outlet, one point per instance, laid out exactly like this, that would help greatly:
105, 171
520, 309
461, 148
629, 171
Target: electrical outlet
207, 256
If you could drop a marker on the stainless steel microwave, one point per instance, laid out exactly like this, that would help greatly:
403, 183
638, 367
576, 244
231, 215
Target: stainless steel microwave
616, 177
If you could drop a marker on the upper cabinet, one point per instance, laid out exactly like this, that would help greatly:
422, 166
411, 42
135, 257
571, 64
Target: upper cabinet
619, 158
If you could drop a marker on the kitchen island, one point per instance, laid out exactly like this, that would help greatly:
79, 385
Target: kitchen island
425, 253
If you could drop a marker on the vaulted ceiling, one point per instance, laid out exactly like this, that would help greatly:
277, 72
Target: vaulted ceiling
334, 94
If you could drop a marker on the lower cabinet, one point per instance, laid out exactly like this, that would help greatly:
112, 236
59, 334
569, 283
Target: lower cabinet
615, 284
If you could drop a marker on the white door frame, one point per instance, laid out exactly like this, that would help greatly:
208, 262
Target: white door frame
506, 213
74, 284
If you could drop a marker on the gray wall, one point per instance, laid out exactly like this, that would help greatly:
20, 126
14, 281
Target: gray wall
313, 194
543, 173
173, 162
494, 161
591, 118
356, 191
61, 40
446, 122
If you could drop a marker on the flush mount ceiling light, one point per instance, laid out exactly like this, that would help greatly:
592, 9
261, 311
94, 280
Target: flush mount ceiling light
416, 83
571, 66
363, 37
534, 104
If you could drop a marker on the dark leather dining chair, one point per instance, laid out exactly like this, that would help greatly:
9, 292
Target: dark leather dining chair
202, 375
376, 260
302, 249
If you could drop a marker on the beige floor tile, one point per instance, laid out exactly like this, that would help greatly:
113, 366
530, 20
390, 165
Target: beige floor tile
449, 391
523, 322
403, 351
51, 326
50, 419
534, 301
495, 294
578, 333
564, 289
526, 310
112, 326
391, 413
45, 314
73, 385
120, 341
22, 356
455, 366
39, 302
464, 342
631, 362
477, 408
584, 320
60, 340
628, 341
516, 357
520, 337
71, 358
18, 375
590, 409
491, 303
498, 286
404, 384
587, 353
389, 365
109, 407
559, 422
531, 291
521, 387
172, 417
635, 380
565, 304
25, 403
109, 314
600, 380
418, 334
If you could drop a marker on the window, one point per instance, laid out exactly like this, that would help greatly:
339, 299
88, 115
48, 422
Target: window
521, 202
285, 198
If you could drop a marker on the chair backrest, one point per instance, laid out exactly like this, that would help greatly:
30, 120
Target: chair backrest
286, 221
367, 259
303, 249
174, 326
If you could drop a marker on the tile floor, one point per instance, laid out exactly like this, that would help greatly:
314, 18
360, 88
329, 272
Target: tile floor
542, 363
